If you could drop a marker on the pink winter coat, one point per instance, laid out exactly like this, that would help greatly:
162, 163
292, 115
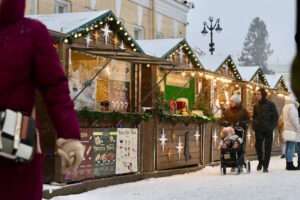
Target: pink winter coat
28, 61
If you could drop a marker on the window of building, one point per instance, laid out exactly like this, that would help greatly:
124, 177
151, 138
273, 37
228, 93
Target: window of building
33, 7
62, 6
138, 33
159, 35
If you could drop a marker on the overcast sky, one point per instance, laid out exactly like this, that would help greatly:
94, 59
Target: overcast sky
236, 16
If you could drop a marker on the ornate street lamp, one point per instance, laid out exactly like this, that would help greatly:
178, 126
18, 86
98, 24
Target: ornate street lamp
216, 27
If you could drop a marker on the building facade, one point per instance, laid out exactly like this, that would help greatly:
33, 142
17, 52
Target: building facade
144, 19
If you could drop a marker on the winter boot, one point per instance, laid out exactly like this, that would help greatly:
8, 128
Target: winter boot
265, 170
282, 156
290, 166
259, 166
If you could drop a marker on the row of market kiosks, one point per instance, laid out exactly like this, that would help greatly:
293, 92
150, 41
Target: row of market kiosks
143, 105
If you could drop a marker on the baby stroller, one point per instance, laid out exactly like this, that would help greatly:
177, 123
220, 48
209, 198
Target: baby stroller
234, 158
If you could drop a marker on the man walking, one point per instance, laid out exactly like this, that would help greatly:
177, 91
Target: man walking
265, 118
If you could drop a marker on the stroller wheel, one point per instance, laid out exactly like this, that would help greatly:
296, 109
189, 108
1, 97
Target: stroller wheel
238, 170
223, 170
248, 166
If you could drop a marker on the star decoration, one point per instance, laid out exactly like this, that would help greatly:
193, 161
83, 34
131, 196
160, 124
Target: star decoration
106, 32
215, 136
122, 45
88, 40
197, 135
116, 40
186, 60
169, 154
163, 139
249, 135
181, 55
179, 147
96, 36
191, 65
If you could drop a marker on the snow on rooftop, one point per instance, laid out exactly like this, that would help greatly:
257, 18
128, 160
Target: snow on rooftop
211, 62
67, 22
273, 79
247, 72
158, 47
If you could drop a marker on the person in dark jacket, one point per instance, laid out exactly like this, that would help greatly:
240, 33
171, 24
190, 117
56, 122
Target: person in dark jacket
265, 117
29, 62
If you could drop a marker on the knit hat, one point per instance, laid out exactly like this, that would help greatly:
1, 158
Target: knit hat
236, 98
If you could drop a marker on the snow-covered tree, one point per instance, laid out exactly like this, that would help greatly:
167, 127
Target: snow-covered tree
256, 46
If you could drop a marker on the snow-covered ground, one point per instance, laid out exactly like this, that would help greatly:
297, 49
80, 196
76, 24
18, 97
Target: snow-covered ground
206, 184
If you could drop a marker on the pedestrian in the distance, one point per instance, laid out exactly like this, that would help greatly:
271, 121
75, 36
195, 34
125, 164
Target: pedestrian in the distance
265, 117
291, 131
30, 62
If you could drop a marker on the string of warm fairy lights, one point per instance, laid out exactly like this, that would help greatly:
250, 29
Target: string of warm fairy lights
114, 24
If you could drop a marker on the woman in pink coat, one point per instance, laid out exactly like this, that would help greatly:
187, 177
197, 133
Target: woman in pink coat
28, 61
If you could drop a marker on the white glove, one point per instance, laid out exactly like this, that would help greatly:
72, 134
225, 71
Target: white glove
71, 152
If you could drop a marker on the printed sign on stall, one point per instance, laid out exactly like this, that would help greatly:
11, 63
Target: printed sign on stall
104, 152
85, 169
126, 151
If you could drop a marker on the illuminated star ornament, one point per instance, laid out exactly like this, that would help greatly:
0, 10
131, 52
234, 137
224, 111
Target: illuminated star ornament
96, 36
88, 40
106, 32
122, 45
249, 135
179, 147
197, 135
215, 137
181, 55
163, 139
116, 40
191, 65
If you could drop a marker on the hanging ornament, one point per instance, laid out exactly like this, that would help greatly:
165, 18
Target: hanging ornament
163, 139
249, 135
96, 36
116, 40
179, 148
181, 55
106, 32
173, 135
122, 45
88, 40
169, 154
215, 136
186, 60
191, 65
197, 135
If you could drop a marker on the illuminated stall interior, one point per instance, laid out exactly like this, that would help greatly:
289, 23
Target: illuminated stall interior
224, 83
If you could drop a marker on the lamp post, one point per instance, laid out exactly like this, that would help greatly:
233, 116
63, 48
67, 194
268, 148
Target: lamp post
211, 28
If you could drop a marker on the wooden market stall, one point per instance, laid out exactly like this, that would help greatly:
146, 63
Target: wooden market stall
178, 132
104, 65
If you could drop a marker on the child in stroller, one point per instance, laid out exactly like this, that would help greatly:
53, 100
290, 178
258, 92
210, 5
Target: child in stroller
233, 148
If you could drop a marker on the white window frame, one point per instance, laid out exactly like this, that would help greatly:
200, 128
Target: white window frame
141, 32
66, 5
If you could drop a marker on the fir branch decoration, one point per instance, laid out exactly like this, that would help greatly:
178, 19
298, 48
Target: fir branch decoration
131, 118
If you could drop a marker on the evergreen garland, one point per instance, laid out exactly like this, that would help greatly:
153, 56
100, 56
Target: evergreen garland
131, 118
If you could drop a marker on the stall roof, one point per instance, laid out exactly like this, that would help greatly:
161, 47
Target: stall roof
68, 22
162, 48
159, 47
273, 79
124, 55
248, 72
74, 23
212, 62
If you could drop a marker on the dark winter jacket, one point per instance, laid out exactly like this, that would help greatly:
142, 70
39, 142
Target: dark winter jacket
265, 117
29, 62
237, 114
